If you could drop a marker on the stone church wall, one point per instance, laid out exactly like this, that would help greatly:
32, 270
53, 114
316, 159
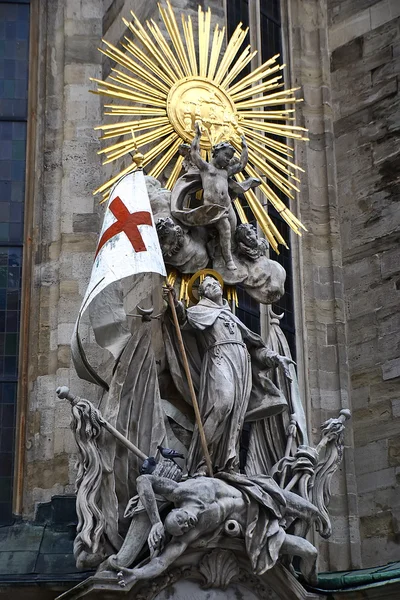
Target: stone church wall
364, 45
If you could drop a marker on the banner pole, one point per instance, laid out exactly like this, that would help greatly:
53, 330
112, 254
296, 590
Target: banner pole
190, 382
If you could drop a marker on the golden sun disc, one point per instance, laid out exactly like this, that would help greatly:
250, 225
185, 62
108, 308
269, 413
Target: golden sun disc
197, 99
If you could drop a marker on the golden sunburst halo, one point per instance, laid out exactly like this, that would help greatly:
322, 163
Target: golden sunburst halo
168, 86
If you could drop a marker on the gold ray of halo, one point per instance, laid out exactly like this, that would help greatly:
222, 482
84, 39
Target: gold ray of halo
137, 53
146, 40
281, 163
278, 98
119, 109
126, 93
128, 125
128, 131
122, 148
204, 19
164, 161
270, 84
137, 84
273, 144
148, 74
278, 204
284, 130
175, 173
259, 73
284, 115
270, 158
189, 39
274, 172
281, 182
232, 48
156, 150
169, 55
240, 211
123, 59
170, 23
215, 50
244, 59
264, 220
110, 182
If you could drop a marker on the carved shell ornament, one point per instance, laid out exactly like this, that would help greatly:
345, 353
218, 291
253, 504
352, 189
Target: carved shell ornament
219, 568
164, 86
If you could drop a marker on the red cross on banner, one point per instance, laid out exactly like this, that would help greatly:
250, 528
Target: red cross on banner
126, 223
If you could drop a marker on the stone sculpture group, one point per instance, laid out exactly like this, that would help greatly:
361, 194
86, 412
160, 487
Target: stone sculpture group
139, 511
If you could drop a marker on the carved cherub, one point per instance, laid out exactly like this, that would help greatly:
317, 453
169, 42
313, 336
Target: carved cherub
215, 182
248, 243
181, 249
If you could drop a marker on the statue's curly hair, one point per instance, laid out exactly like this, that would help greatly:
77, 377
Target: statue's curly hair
221, 146
241, 230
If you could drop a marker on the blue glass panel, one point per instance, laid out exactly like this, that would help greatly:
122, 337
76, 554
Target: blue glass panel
10, 293
14, 51
12, 180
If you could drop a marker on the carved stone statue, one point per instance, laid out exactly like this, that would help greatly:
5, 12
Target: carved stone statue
228, 393
255, 509
262, 278
249, 245
181, 248
214, 177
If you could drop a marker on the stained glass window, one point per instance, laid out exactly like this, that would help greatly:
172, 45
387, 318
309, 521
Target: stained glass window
14, 54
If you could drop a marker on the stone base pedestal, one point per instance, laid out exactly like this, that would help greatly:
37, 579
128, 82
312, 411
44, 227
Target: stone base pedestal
199, 575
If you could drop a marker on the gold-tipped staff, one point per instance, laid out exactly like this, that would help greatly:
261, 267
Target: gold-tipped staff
189, 380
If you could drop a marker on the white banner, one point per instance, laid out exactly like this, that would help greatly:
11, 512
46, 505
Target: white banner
128, 245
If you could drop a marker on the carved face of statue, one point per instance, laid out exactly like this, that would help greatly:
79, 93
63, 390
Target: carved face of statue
247, 234
170, 236
222, 155
179, 521
211, 289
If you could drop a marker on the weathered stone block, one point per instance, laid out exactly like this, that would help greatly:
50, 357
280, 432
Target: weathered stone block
342, 33
372, 457
391, 369
46, 474
380, 525
85, 223
376, 480
394, 451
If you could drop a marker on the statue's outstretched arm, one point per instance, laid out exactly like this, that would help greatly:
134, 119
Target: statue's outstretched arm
147, 487
244, 157
195, 150
158, 564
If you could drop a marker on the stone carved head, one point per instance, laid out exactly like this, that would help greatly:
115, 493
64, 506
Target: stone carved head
210, 288
222, 154
248, 242
247, 234
179, 521
170, 236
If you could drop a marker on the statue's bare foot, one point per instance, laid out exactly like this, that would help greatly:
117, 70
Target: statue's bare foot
231, 265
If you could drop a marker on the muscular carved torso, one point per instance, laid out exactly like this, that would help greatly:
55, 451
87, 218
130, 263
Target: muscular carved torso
217, 500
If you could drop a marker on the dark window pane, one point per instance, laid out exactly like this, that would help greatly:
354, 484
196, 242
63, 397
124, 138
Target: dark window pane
12, 180
14, 47
238, 12
248, 310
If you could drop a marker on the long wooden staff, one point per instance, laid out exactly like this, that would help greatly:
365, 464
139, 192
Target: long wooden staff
190, 382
